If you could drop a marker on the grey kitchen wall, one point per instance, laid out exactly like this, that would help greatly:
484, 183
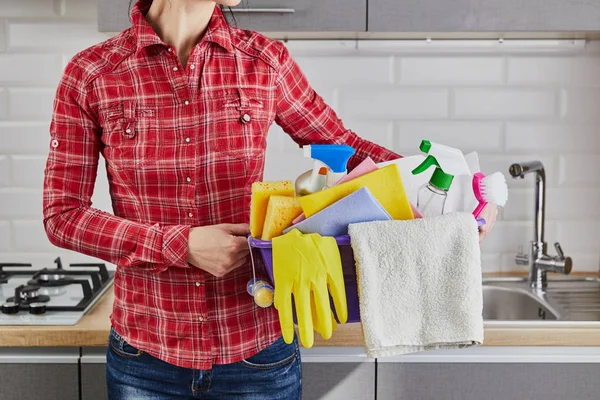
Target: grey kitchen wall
531, 100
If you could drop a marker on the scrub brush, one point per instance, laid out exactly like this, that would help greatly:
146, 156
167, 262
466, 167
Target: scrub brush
489, 189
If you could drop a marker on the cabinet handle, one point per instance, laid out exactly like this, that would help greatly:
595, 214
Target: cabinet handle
264, 10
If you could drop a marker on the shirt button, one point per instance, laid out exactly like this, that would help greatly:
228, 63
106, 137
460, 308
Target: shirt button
55, 143
192, 66
197, 283
201, 319
246, 118
169, 49
127, 130
187, 139
175, 69
190, 215
188, 179
186, 102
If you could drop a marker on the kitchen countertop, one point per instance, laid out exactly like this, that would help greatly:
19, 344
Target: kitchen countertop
93, 330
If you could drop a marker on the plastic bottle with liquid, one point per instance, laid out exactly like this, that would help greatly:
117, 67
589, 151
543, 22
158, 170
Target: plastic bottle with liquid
448, 161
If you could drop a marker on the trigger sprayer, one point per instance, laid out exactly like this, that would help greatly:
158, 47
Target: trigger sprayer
449, 162
330, 167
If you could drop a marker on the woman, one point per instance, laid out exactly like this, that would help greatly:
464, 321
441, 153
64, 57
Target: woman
179, 106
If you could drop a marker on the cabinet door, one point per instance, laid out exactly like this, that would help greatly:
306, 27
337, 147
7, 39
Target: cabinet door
489, 381
336, 373
265, 15
39, 373
483, 15
93, 373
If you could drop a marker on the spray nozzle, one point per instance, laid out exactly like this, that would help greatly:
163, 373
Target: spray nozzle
439, 179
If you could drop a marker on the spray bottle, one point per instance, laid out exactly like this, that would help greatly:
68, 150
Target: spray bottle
449, 162
331, 161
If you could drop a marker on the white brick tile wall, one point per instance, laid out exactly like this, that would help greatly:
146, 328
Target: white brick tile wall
510, 107
579, 236
580, 171
4, 171
522, 137
366, 70
30, 69
34, 165
20, 203
384, 102
580, 105
553, 71
30, 103
377, 131
24, 137
29, 236
3, 103
450, 70
492, 163
4, 236
467, 136
55, 35
505, 103
509, 235
3, 40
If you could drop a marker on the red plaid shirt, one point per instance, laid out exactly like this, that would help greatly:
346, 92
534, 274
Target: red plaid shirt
182, 147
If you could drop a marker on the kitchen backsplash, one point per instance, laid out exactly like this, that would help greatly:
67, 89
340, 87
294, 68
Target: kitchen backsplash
534, 101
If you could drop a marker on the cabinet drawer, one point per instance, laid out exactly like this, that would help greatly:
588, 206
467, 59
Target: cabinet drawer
265, 15
483, 15
302, 16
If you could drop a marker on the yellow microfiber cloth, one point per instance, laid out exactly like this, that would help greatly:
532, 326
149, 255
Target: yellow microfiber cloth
261, 191
385, 184
281, 211
309, 267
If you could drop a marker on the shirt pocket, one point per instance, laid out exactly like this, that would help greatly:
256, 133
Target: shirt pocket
241, 120
130, 135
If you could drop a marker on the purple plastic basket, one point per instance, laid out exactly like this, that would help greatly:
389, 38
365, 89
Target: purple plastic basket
348, 266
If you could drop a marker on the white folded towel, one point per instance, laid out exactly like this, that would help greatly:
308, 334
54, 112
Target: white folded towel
419, 284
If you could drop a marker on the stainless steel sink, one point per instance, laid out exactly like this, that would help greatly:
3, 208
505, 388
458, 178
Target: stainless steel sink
565, 299
511, 304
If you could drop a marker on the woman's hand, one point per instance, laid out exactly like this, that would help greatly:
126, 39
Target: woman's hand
218, 249
488, 213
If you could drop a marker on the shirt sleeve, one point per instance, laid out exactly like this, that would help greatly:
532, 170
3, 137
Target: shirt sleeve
303, 115
69, 219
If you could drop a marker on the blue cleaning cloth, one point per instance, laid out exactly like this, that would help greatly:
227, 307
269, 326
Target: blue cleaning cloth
360, 206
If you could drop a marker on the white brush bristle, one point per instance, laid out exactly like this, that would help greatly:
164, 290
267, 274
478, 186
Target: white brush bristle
494, 189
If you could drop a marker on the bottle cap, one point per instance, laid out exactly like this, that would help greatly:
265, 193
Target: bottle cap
425, 146
441, 180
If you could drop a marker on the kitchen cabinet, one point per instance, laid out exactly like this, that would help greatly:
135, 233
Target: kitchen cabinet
330, 373
39, 373
492, 373
483, 15
266, 15
93, 373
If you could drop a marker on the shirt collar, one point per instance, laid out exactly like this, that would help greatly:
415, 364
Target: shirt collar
217, 31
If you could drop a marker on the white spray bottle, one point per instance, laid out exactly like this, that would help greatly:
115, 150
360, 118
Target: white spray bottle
449, 162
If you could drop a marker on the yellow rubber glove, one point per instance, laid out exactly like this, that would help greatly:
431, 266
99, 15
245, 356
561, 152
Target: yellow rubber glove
306, 266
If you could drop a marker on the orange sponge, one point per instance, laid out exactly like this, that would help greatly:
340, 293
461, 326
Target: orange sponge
261, 191
280, 214
385, 184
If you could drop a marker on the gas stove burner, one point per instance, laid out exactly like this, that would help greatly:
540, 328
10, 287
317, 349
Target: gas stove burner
52, 291
26, 295
50, 278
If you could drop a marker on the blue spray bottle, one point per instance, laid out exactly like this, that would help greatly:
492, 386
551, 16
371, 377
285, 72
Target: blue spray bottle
330, 167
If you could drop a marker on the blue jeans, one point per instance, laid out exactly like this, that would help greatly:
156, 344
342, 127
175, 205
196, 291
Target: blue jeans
272, 374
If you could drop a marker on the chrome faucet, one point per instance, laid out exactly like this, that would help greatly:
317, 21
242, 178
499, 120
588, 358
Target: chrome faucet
538, 260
